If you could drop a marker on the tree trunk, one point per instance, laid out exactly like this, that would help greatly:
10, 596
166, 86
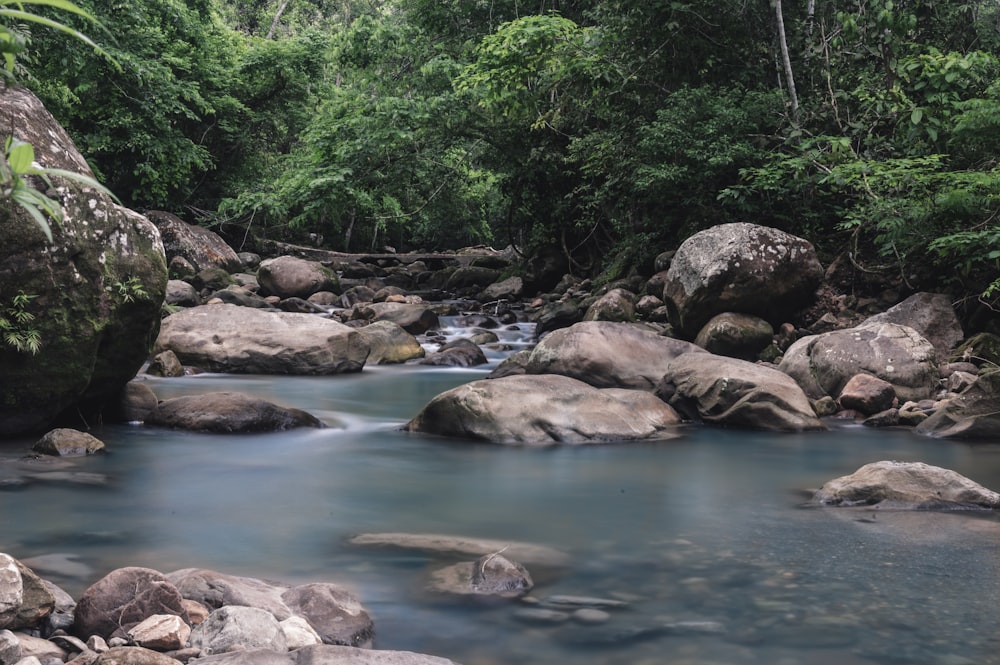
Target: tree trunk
277, 17
786, 59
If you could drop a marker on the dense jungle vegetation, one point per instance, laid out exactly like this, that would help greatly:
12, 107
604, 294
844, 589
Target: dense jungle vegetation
602, 131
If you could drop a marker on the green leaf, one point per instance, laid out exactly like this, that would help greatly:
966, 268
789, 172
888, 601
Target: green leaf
916, 116
20, 157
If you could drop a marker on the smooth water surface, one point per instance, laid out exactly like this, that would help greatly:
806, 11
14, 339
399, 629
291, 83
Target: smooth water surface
706, 538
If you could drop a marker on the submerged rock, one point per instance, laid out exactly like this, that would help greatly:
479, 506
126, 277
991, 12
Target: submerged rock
490, 575
227, 413
528, 553
908, 485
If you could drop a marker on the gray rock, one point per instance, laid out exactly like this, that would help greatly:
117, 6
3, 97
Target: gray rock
911, 485
11, 590
457, 353
67, 442
490, 575
390, 344
607, 354
615, 305
10, 648
227, 413
198, 245
241, 340
214, 590
236, 627
335, 614
136, 402
545, 410
289, 277
736, 393
823, 364
123, 598
414, 318
181, 293
509, 289
931, 315
529, 553
471, 277
739, 268
973, 414
133, 656
25, 600
540, 615
97, 287
735, 335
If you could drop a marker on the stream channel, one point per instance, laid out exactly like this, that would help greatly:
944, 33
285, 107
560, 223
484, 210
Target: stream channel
705, 542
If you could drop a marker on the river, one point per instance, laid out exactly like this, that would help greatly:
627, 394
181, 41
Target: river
707, 541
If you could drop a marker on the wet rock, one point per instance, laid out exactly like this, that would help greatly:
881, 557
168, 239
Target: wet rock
390, 343
886, 418
228, 413
66, 442
236, 628
736, 393
414, 318
739, 267
735, 335
136, 402
910, 485
527, 553
166, 364
823, 364
567, 601
491, 575
243, 340
867, 394
124, 598
290, 277
607, 354
545, 410
590, 616
457, 353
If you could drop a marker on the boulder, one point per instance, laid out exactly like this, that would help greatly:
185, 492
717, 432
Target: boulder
735, 335
25, 601
214, 590
390, 344
94, 291
226, 413
333, 612
931, 315
736, 393
615, 305
973, 414
291, 277
124, 598
471, 277
241, 340
545, 410
456, 353
509, 289
823, 364
556, 315
181, 293
298, 633
739, 268
199, 246
67, 442
907, 485
414, 318
867, 394
133, 656
607, 354
136, 401
165, 363
161, 632
11, 590
237, 628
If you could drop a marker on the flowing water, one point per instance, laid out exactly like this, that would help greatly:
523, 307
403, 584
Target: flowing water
706, 540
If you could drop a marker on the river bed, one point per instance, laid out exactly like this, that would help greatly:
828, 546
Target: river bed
707, 540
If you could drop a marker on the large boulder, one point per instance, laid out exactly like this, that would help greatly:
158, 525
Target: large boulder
24, 599
244, 340
545, 410
823, 364
607, 354
124, 598
736, 393
909, 485
236, 628
930, 314
94, 291
226, 413
390, 344
292, 277
615, 305
200, 247
973, 414
739, 268
414, 318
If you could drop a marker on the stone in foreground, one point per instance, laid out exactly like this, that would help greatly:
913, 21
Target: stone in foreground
228, 413
907, 485
541, 410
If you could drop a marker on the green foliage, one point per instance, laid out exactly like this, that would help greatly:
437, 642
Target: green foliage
16, 331
129, 290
